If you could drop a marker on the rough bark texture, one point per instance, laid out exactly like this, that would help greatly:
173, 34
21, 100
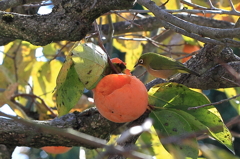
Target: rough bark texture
208, 64
70, 20
35, 135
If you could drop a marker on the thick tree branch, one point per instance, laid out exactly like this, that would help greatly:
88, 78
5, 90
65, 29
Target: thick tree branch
68, 21
90, 122
61, 26
190, 29
151, 23
5, 4
208, 64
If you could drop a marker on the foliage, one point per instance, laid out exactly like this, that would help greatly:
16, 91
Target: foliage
57, 82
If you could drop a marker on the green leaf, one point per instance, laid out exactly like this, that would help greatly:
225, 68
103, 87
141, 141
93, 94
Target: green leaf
50, 50
69, 88
179, 97
168, 123
89, 61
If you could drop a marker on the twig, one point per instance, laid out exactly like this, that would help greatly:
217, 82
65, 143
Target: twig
102, 46
59, 51
184, 10
33, 96
231, 71
237, 84
193, 5
15, 63
215, 103
130, 21
189, 29
188, 55
37, 5
6, 55
109, 39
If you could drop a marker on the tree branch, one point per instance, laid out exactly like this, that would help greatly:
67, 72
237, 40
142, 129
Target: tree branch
34, 133
5, 4
208, 64
42, 31
68, 21
190, 29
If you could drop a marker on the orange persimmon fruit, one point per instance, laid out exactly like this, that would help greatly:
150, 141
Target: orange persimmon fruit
121, 66
117, 60
189, 49
120, 98
56, 149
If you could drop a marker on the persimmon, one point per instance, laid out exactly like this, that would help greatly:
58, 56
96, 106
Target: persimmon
56, 149
121, 98
120, 66
204, 14
189, 49
117, 60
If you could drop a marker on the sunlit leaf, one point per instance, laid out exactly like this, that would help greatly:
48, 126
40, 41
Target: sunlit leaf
179, 97
230, 92
6, 96
154, 147
69, 88
89, 61
6, 77
132, 49
44, 77
50, 50
172, 4
10, 50
25, 59
168, 124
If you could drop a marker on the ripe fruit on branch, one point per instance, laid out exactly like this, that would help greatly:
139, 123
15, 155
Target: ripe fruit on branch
56, 149
189, 49
121, 98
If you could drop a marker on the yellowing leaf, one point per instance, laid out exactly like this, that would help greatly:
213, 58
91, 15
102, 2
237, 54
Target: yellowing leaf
25, 59
157, 149
44, 76
10, 51
50, 50
173, 96
89, 61
132, 49
5, 99
6, 77
169, 123
230, 92
69, 91
171, 4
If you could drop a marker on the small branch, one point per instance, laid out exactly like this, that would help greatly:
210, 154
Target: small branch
102, 46
215, 103
16, 52
189, 29
34, 96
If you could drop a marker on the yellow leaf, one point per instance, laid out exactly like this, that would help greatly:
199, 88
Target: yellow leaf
44, 77
5, 99
6, 77
133, 50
